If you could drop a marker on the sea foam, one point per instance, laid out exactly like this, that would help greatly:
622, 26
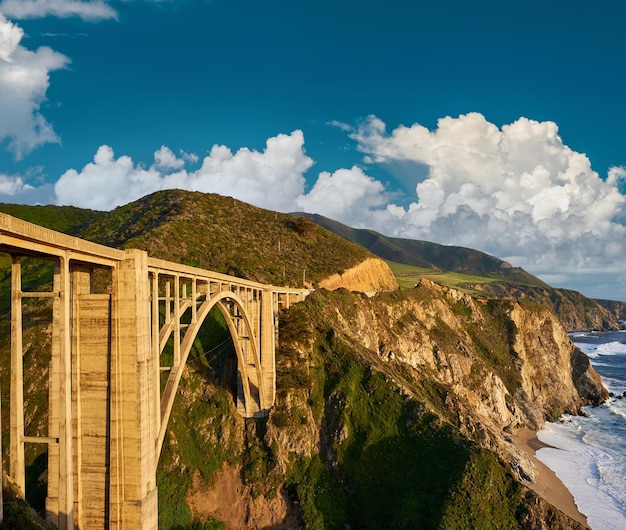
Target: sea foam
589, 454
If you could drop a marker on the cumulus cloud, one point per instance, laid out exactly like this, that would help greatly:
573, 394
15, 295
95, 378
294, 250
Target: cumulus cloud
344, 192
272, 178
87, 10
10, 185
517, 192
24, 79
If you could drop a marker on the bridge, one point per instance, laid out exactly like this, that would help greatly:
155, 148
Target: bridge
123, 324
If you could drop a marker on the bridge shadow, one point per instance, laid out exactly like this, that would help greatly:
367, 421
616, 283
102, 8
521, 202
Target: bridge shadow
37, 482
213, 354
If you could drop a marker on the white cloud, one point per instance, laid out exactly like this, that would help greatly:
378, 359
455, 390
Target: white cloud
271, 179
516, 192
344, 194
106, 182
24, 79
87, 10
10, 185
165, 160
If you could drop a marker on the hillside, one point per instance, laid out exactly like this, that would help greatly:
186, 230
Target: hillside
615, 307
228, 236
392, 412
478, 273
429, 255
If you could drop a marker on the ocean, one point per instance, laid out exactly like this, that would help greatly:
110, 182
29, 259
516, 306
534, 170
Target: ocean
590, 454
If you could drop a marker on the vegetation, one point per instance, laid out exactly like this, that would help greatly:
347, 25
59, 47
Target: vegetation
205, 401
431, 256
228, 236
66, 219
409, 275
386, 461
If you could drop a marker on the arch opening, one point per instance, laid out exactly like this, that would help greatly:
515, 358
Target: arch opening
184, 328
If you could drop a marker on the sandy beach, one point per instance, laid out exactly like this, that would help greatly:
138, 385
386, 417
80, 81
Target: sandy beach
546, 483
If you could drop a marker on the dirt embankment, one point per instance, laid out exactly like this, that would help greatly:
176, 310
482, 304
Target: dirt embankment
373, 274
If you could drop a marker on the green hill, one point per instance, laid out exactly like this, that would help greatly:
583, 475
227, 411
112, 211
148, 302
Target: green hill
208, 231
228, 236
476, 273
67, 219
429, 255
380, 413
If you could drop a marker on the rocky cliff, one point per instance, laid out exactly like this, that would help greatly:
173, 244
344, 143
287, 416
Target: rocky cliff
575, 311
616, 308
396, 410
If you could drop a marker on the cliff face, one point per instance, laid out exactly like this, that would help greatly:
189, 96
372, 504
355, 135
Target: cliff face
575, 311
371, 275
506, 365
616, 308
404, 395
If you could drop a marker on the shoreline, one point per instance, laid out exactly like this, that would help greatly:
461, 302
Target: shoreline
546, 484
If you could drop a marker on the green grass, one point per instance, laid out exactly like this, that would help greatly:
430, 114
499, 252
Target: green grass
395, 464
228, 236
408, 275
67, 219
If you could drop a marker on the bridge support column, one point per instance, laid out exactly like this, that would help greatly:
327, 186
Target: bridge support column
268, 350
16, 444
133, 418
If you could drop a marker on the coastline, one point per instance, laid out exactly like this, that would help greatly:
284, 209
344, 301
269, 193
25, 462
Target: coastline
546, 484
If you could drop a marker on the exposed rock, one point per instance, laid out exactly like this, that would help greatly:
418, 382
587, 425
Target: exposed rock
228, 499
543, 516
373, 274
587, 380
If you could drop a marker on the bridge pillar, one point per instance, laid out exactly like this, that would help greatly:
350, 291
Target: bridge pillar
16, 444
133, 492
267, 349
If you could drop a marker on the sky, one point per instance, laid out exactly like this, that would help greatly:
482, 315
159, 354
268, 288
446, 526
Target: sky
492, 125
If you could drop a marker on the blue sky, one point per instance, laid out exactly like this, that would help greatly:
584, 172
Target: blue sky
493, 125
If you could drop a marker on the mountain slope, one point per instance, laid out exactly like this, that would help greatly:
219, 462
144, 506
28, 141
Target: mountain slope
429, 255
391, 410
228, 236
67, 219
497, 278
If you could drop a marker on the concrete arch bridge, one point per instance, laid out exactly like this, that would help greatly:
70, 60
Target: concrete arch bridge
107, 407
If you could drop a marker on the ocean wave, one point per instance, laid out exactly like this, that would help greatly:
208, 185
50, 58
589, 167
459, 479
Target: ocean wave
611, 348
592, 472
617, 410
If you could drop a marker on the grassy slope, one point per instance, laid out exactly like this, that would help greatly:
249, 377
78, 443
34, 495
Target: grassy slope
409, 275
228, 236
476, 273
386, 460
67, 219
424, 254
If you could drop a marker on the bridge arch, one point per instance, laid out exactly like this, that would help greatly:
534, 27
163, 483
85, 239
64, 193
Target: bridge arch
246, 349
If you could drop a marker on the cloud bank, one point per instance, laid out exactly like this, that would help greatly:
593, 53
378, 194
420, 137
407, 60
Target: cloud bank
273, 178
24, 79
516, 192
